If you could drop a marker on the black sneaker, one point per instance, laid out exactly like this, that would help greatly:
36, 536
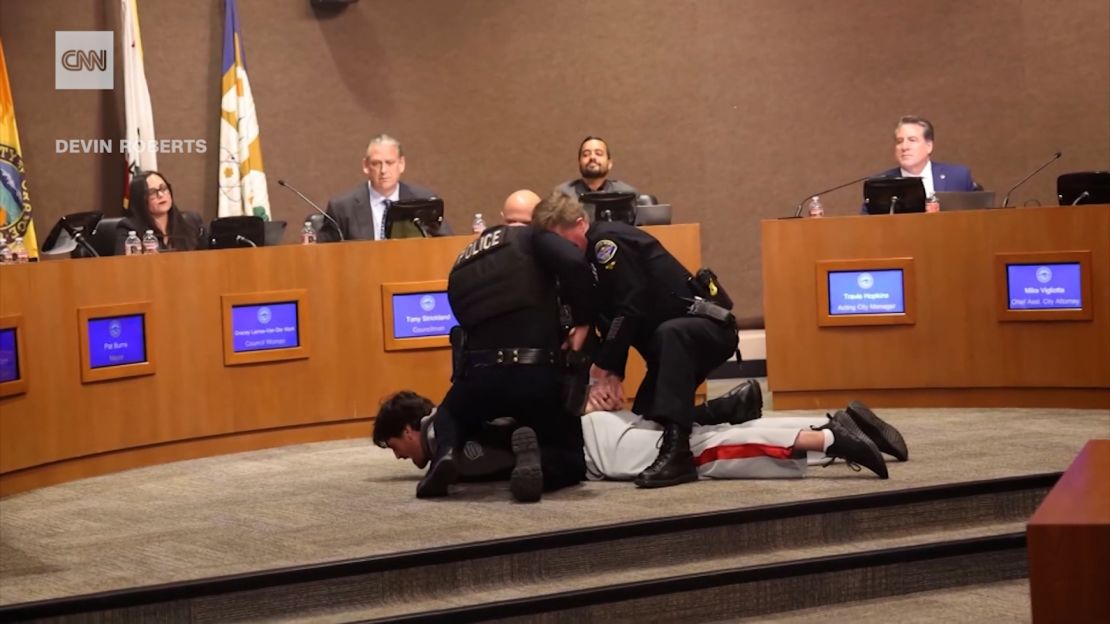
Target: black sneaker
851, 445
526, 480
738, 405
882, 433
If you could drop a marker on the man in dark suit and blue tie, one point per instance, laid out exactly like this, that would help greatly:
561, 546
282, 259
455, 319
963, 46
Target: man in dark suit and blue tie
913, 146
361, 212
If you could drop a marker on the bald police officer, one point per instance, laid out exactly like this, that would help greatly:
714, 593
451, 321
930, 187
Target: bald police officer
502, 290
648, 301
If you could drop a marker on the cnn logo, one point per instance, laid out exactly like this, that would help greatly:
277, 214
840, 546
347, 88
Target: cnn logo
84, 59
77, 60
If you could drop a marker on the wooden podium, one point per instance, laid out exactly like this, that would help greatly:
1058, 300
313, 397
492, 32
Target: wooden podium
198, 400
957, 344
1069, 542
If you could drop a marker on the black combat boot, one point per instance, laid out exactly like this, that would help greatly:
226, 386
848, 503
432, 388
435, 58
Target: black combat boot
741, 404
526, 480
851, 445
882, 433
675, 462
442, 473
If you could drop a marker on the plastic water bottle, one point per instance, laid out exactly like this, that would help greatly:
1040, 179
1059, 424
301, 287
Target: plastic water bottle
132, 246
150, 243
479, 224
5, 252
19, 250
816, 208
308, 234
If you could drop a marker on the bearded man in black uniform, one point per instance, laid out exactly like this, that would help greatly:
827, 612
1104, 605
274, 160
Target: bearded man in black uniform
504, 289
649, 301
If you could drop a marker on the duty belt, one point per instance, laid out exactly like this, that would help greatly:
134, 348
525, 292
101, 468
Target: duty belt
511, 357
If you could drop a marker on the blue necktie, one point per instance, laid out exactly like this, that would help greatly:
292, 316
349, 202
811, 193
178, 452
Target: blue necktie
385, 211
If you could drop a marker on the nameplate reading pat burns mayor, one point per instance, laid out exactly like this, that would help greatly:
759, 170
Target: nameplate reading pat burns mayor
116, 341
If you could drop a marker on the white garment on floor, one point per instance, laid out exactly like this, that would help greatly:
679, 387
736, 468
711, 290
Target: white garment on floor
620, 445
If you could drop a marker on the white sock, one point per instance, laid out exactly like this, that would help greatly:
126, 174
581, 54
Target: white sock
828, 440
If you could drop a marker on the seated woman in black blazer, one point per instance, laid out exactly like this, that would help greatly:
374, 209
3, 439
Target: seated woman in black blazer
151, 207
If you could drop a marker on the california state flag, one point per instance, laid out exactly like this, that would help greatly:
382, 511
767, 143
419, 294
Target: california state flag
242, 179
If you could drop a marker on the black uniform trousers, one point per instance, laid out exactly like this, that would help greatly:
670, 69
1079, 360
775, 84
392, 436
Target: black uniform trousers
680, 354
529, 394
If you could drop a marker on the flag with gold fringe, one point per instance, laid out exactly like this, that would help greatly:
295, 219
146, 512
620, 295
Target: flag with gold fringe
242, 179
15, 201
138, 114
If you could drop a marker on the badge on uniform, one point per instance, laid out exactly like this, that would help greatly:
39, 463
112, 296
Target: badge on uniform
605, 251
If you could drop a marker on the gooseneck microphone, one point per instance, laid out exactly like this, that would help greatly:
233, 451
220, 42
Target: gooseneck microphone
1006, 198
798, 210
316, 208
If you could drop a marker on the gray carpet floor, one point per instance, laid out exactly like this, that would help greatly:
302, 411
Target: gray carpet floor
345, 499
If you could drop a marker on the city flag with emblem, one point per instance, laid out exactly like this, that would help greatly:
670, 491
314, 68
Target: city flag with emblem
15, 201
242, 179
137, 112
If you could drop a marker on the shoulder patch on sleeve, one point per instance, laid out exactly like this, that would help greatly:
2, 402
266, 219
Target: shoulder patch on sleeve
604, 251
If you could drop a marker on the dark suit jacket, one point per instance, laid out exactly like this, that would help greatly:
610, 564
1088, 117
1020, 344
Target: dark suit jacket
946, 178
352, 212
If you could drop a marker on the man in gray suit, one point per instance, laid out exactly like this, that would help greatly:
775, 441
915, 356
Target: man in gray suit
594, 163
361, 212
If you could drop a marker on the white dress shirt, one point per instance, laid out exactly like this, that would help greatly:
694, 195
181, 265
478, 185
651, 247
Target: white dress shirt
926, 178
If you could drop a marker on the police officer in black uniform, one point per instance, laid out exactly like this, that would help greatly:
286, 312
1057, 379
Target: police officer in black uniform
503, 292
649, 301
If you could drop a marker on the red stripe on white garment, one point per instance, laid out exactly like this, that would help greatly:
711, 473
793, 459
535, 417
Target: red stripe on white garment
742, 451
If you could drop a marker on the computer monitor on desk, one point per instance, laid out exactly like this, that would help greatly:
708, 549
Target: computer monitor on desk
893, 195
654, 214
414, 218
966, 200
1083, 187
241, 231
610, 206
69, 236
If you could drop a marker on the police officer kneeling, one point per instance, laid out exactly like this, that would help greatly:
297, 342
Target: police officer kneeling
503, 291
679, 323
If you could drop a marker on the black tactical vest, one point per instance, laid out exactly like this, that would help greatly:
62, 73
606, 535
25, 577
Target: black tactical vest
497, 274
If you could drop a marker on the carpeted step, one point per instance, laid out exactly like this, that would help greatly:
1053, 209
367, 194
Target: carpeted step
861, 535
771, 581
